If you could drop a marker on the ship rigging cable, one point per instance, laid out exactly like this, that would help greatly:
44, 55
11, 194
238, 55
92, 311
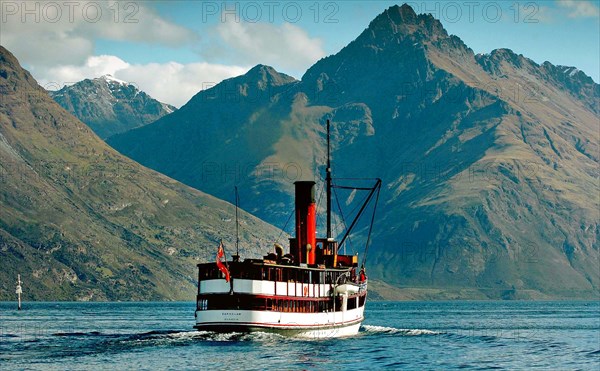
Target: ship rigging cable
337, 201
375, 189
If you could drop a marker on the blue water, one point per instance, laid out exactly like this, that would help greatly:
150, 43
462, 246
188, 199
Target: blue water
395, 335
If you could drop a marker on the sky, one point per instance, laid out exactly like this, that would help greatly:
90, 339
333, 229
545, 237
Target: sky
174, 49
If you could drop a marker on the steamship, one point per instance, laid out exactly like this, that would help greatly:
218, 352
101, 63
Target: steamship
310, 291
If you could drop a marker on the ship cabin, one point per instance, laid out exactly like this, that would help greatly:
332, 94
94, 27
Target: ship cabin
303, 280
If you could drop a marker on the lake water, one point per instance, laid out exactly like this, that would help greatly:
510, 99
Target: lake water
395, 335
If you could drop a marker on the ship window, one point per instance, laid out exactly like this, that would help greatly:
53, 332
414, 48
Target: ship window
351, 303
256, 304
338, 304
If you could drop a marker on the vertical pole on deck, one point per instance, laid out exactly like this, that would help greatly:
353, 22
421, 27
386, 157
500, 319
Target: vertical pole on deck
237, 224
19, 290
328, 185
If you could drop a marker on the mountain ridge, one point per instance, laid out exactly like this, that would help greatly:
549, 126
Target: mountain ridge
110, 106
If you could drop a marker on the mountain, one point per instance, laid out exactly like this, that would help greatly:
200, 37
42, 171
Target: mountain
490, 163
110, 106
228, 130
79, 221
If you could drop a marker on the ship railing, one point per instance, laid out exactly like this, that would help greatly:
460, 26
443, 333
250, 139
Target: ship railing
362, 286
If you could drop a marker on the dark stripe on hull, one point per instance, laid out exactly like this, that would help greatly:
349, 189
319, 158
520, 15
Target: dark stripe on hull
291, 329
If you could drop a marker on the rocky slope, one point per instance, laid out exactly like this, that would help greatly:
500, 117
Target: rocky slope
110, 106
490, 162
79, 221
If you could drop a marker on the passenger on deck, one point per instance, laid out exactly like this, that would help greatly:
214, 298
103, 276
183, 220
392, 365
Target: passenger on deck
362, 275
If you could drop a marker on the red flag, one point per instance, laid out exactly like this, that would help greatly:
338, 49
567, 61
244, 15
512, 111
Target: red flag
220, 265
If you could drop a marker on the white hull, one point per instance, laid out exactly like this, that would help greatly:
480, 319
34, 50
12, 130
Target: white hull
305, 325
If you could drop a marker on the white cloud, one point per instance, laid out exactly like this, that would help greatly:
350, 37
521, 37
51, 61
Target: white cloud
56, 77
47, 33
176, 83
288, 48
56, 41
580, 8
171, 82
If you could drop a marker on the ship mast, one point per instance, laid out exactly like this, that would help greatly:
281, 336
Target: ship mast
328, 179
237, 226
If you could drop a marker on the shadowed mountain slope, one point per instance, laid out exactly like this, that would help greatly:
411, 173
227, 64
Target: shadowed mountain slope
79, 221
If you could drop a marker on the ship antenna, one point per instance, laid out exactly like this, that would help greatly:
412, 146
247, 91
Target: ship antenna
328, 179
237, 224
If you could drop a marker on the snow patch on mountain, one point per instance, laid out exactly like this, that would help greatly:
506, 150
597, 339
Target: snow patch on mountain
110, 78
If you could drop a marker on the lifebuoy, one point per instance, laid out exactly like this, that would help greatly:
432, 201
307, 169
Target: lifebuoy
305, 290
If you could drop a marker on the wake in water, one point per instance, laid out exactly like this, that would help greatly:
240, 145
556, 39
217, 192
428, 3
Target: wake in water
175, 337
97, 343
370, 329
185, 336
94, 343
